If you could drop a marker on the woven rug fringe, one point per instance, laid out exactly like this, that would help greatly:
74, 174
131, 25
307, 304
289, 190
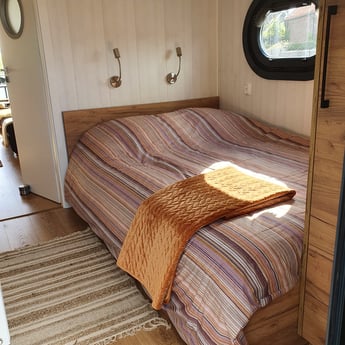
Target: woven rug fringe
147, 326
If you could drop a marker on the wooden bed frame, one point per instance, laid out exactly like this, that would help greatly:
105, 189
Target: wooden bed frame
275, 324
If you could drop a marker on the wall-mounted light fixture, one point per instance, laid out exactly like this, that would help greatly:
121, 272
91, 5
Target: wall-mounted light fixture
172, 77
115, 81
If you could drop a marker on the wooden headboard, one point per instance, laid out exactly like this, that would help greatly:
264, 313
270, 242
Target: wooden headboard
76, 122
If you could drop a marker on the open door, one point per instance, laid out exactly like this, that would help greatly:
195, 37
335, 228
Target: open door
30, 108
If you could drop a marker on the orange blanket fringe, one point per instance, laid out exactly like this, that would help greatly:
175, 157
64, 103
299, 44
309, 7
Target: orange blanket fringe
166, 221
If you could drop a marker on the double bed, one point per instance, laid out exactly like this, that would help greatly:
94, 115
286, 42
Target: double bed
236, 280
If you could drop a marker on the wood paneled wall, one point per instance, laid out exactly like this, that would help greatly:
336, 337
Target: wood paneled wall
287, 104
78, 38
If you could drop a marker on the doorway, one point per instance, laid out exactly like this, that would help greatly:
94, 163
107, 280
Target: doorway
12, 203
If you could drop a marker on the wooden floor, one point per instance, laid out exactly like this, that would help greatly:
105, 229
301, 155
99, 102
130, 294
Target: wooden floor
32, 220
37, 228
11, 203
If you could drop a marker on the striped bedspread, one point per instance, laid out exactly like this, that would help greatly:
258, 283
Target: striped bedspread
230, 268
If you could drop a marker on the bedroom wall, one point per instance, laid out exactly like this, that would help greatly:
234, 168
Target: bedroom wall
77, 38
77, 41
287, 104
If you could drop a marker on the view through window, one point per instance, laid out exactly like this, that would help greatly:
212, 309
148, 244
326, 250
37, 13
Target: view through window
290, 33
280, 37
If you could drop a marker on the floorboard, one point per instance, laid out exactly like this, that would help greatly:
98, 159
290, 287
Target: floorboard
37, 228
12, 204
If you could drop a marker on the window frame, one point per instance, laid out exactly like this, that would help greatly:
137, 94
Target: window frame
274, 69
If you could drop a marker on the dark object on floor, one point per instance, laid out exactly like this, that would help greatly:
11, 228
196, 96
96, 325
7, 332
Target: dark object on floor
1, 164
24, 189
11, 138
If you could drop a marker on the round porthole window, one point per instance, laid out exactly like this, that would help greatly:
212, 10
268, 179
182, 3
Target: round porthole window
280, 37
12, 19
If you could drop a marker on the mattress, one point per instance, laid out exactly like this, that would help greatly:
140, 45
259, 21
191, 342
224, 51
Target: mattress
229, 269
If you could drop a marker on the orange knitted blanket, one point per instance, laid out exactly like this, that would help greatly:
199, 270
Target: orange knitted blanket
166, 221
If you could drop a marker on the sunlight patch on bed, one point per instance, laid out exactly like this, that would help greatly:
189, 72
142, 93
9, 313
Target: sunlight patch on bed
278, 211
225, 164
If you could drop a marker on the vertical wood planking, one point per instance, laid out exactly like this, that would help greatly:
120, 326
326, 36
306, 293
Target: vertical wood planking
78, 38
58, 52
150, 33
287, 104
90, 71
120, 32
178, 33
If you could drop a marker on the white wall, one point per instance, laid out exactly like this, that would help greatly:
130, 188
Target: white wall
287, 104
77, 41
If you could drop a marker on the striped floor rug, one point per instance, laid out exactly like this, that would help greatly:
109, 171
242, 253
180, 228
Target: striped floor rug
69, 291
